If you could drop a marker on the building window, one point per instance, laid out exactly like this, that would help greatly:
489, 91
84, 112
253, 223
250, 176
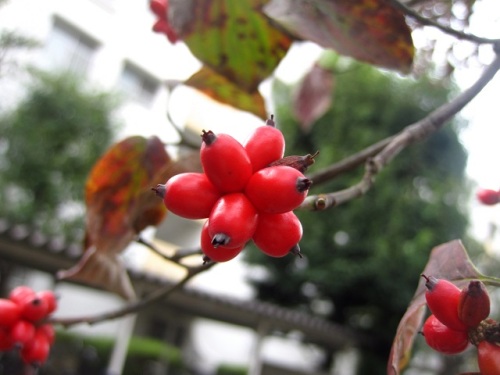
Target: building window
69, 48
137, 84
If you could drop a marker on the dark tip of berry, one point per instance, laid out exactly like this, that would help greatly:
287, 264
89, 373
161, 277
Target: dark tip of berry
160, 190
303, 184
220, 239
270, 121
206, 260
296, 251
430, 281
36, 301
208, 137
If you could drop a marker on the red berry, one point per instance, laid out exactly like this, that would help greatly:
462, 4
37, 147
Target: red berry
33, 309
233, 221
50, 299
19, 293
277, 234
474, 304
443, 339
48, 331
277, 190
10, 312
6, 342
219, 253
159, 8
488, 358
22, 333
37, 351
488, 196
443, 298
190, 195
225, 162
265, 145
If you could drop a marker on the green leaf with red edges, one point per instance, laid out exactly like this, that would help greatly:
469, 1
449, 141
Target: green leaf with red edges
449, 261
223, 90
368, 30
231, 37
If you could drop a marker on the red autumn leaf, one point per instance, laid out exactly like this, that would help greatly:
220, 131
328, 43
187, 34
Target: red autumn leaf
448, 261
119, 206
223, 90
368, 30
314, 96
231, 37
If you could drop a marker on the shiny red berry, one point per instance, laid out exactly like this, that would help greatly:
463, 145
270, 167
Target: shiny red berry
50, 298
37, 351
488, 358
21, 292
6, 342
488, 197
442, 338
22, 333
474, 303
33, 309
225, 162
190, 195
47, 330
443, 298
217, 253
276, 190
265, 145
232, 221
278, 234
10, 312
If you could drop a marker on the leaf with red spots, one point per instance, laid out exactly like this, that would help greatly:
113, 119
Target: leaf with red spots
221, 89
233, 38
314, 96
368, 30
448, 261
119, 206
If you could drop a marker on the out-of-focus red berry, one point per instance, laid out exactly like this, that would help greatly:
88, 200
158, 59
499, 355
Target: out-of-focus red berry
488, 197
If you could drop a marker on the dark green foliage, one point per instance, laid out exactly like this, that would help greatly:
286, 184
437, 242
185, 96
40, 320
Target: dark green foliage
363, 259
77, 354
227, 369
48, 145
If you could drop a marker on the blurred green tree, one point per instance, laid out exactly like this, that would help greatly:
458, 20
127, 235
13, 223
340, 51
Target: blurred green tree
362, 260
48, 144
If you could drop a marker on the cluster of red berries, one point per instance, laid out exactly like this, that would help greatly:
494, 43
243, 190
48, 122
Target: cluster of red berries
247, 191
488, 197
22, 325
162, 26
459, 317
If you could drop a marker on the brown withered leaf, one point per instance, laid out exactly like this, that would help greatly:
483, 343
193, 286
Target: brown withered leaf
314, 96
120, 205
372, 31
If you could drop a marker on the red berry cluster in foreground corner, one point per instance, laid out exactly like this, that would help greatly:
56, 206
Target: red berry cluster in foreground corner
21, 323
460, 317
488, 197
247, 192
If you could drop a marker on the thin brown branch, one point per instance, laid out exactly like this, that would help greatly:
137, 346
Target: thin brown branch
133, 307
175, 258
348, 163
409, 135
448, 30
